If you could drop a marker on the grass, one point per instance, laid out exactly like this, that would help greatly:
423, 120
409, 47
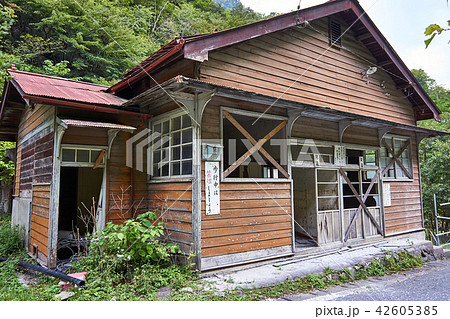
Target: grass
142, 282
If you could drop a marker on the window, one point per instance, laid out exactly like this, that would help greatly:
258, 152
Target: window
310, 151
238, 129
396, 144
335, 33
172, 150
360, 180
80, 156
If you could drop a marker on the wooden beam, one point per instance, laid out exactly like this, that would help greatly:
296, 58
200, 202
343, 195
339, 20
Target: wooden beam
253, 141
366, 195
255, 148
99, 159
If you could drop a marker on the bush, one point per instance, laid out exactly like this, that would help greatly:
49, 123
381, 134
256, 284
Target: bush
136, 242
11, 242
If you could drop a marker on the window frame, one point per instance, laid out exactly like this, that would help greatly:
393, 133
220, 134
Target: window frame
255, 115
168, 117
89, 148
395, 166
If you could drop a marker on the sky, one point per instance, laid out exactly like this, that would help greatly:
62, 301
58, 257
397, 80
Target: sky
402, 22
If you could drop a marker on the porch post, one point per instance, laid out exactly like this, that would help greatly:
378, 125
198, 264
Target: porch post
60, 128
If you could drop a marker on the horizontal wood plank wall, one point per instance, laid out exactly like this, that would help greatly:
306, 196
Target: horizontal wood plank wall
35, 142
172, 202
253, 216
405, 212
289, 64
40, 219
120, 203
317, 129
85, 136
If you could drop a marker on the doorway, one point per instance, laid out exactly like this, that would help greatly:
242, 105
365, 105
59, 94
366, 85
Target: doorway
305, 216
80, 189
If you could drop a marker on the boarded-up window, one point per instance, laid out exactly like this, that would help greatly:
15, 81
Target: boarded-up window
395, 145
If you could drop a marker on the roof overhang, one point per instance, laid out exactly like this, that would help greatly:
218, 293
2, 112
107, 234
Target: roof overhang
181, 85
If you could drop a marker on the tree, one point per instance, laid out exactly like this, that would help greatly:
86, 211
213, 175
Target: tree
434, 153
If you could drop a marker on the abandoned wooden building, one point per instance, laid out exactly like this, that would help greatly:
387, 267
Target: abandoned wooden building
286, 136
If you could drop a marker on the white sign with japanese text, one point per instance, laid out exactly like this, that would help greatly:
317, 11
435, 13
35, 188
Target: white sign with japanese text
212, 188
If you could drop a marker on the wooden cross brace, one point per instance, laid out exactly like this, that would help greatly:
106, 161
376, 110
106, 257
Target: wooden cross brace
257, 146
362, 205
396, 159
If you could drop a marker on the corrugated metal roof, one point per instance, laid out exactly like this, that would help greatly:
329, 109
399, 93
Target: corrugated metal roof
64, 89
97, 124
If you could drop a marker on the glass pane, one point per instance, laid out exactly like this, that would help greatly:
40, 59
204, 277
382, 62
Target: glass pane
176, 168
156, 156
370, 158
187, 136
157, 128
176, 153
176, 124
327, 189
176, 138
165, 127
326, 176
328, 203
155, 170
373, 201
187, 167
374, 189
187, 151
95, 155
165, 141
165, 155
186, 121
83, 156
165, 170
68, 155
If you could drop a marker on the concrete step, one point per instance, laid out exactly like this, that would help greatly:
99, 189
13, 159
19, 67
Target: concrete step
447, 253
438, 252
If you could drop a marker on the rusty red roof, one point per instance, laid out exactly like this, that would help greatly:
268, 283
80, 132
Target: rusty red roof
39, 85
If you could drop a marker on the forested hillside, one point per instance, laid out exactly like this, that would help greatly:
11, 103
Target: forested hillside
97, 40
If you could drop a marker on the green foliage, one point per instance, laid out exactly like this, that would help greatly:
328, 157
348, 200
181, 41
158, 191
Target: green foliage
11, 243
136, 242
98, 40
434, 152
6, 165
433, 30
10, 287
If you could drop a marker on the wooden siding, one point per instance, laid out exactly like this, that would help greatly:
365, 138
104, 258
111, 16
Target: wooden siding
126, 198
405, 212
322, 130
39, 229
172, 202
252, 217
85, 136
290, 64
35, 142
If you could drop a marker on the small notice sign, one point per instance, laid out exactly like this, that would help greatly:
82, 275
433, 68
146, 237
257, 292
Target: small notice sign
339, 155
387, 195
212, 188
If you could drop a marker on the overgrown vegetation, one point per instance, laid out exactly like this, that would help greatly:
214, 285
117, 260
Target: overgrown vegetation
118, 269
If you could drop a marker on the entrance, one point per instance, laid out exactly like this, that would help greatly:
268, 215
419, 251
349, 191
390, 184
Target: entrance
80, 189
